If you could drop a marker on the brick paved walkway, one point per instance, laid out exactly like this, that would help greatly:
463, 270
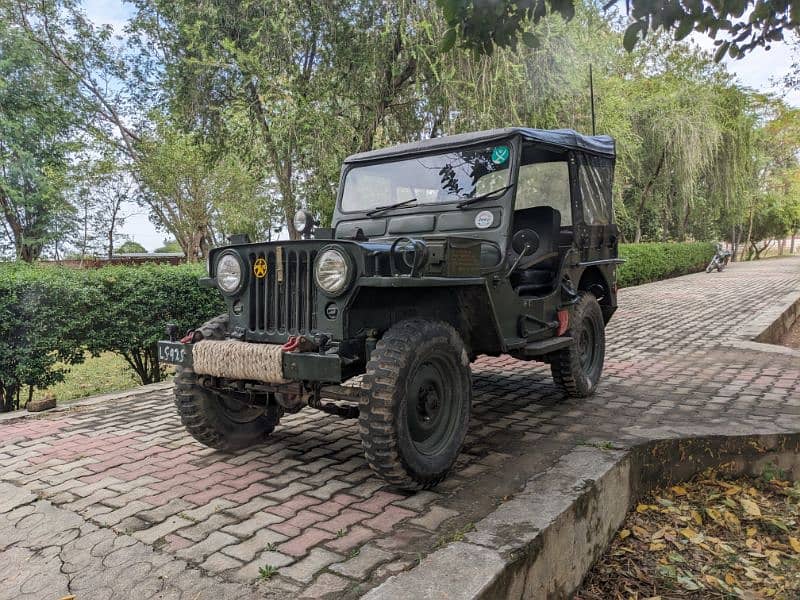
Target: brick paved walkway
115, 500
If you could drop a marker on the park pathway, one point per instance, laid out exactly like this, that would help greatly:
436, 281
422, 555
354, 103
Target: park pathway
115, 500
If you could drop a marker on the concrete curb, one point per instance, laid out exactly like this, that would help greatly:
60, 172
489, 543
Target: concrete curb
542, 543
86, 402
766, 330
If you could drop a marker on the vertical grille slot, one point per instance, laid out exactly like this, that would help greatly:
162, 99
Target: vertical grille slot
282, 307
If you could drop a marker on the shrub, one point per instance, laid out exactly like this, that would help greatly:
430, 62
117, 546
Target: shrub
653, 262
52, 314
42, 319
135, 303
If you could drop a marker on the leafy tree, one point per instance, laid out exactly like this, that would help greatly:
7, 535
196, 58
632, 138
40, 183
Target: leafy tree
741, 25
131, 247
107, 187
36, 132
313, 82
190, 186
169, 246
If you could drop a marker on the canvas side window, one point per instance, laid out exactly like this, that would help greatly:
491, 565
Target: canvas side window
545, 184
595, 178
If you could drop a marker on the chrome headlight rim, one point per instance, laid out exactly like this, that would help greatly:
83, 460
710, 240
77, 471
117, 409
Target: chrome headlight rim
349, 270
242, 273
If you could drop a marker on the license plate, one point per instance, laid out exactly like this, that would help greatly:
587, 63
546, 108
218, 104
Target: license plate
175, 353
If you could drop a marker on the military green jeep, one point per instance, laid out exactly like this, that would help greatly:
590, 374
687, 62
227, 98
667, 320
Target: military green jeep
494, 242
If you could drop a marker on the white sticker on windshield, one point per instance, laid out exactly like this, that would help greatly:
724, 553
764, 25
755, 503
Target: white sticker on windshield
484, 219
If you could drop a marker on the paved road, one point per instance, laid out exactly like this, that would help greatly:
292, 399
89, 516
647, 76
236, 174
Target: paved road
116, 501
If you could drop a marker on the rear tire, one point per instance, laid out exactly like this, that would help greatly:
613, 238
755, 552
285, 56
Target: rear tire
218, 420
577, 369
415, 411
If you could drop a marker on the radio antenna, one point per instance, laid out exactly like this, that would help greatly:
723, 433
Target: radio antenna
591, 97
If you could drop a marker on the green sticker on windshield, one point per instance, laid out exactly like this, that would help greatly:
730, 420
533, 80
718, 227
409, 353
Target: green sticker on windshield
500, 154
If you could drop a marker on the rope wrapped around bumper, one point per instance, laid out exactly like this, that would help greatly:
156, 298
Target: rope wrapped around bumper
239, 360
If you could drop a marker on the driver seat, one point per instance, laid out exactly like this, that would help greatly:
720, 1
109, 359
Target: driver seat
535, 274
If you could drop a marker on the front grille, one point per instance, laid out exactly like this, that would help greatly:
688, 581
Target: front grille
281, 303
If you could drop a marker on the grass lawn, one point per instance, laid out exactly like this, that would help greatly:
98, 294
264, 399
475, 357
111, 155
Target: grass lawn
97, 375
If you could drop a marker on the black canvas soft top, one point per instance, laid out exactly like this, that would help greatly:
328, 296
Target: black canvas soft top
599, 145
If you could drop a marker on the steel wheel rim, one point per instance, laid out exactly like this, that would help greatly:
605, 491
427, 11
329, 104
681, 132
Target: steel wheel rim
431, 407
239, 412
587, 350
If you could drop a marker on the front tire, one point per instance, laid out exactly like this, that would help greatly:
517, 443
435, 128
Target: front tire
219, 420
415, 411
577, 369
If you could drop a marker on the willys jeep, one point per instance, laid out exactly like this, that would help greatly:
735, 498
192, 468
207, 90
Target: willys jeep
494, 242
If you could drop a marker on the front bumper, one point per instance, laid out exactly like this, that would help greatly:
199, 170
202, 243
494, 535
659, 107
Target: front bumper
296, 366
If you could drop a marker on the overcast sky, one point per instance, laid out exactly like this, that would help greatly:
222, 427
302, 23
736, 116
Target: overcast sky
760, 70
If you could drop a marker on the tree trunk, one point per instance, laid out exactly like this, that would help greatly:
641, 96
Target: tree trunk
645, 193
29, 252
111, 227
750, 229
794, 237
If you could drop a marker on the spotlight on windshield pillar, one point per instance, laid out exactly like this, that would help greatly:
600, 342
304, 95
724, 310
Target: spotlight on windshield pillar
304, 222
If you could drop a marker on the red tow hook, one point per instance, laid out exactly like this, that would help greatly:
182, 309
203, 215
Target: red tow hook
291, 344
563, 321
188, 338
299, 343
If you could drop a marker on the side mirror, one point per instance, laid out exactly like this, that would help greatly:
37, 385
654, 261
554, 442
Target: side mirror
525, 242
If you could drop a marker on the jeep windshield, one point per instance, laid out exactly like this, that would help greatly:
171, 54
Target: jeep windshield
430, 179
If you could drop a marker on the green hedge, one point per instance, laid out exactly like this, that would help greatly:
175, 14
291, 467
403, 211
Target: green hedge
52, 314
653, 262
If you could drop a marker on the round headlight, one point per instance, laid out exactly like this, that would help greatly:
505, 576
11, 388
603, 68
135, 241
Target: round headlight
229, 273
332, 273
303, 221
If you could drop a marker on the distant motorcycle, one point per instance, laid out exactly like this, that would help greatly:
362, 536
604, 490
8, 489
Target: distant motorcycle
720, 260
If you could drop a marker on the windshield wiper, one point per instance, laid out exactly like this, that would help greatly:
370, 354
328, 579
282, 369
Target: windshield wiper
379, 209
475, 199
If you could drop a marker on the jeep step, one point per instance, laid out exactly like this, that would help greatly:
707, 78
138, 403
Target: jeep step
547, 346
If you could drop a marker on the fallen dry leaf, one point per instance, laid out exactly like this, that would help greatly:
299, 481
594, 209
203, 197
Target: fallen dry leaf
750, 507
714, 515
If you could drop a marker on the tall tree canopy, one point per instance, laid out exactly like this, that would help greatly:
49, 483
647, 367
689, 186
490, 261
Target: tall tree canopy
37, 135
228, 116
737, 26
